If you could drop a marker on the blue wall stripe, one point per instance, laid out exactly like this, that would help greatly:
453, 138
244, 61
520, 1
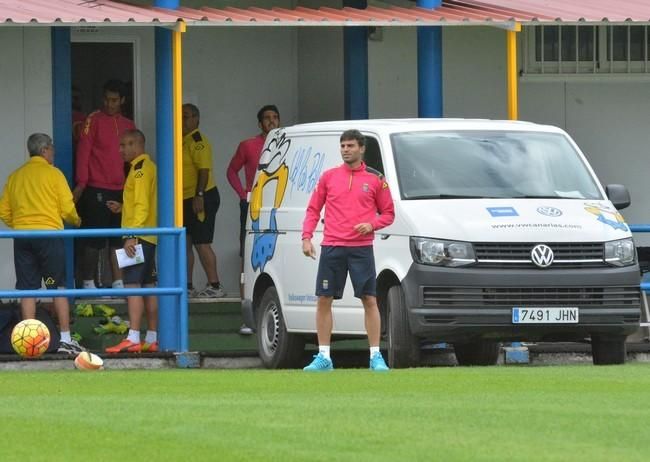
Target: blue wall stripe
355, 67
168, 313
62, 122
429, 66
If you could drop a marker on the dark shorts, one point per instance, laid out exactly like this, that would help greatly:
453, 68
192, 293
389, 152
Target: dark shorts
95, 214
142, 273
334, 265
243, 211
39, 259
202, 232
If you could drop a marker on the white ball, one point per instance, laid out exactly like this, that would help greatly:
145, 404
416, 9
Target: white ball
87, 361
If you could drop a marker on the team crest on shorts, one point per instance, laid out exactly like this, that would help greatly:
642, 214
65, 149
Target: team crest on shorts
326, 284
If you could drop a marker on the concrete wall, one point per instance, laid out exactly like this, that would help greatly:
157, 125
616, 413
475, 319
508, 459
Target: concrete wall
392, 73
229, 74
25, 92
606, 115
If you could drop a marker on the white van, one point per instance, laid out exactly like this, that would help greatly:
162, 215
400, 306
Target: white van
502, 232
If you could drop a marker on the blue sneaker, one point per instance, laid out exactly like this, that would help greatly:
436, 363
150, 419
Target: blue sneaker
377, 363
320, 363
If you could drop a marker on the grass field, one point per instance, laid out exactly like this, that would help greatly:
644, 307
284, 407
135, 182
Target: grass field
563, 413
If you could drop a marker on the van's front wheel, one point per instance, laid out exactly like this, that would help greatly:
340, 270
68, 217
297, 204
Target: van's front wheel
403, 348
278, 349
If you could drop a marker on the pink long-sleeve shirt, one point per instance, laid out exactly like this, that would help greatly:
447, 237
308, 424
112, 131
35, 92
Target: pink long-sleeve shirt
247, 156
350, 197
99, 163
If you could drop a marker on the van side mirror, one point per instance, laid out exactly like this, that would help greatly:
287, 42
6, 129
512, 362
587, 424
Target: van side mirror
619, 195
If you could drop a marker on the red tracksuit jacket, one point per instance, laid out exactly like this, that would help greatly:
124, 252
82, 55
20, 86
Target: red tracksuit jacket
350, 197
99, 163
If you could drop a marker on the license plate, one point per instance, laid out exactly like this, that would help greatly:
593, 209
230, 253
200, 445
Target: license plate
542, 315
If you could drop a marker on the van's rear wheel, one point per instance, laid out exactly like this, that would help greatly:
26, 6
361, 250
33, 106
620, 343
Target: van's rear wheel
608, 350
403, 348
478, 353
278, 349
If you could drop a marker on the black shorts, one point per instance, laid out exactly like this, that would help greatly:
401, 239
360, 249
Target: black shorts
243, 211
95, 214
39, 259
142, 273
202, 232
334, 265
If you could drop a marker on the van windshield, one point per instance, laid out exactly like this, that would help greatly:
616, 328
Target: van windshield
495, 164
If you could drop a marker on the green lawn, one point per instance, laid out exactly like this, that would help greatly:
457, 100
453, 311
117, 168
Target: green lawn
564, 413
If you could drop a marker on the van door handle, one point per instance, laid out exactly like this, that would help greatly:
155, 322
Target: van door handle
383, 237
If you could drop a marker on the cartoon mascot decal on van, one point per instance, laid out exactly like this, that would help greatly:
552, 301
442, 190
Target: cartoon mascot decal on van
273, 171
607, 215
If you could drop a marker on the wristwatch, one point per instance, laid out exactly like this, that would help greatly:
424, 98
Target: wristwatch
199, 193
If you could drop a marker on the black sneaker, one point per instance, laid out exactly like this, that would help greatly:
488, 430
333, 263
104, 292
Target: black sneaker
71, 348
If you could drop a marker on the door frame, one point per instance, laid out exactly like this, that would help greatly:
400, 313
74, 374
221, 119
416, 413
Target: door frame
97, 35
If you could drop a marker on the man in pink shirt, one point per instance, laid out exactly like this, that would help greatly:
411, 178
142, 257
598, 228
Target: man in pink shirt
247, 157
100, 179
357, 202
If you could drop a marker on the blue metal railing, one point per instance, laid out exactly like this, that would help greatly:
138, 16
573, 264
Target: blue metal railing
645, 286
179, 290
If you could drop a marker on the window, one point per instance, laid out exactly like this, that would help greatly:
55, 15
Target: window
494, 164
372, 157
586, 49
559, 43
627, 43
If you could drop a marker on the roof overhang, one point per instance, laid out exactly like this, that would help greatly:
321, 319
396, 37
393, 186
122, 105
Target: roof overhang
506, 14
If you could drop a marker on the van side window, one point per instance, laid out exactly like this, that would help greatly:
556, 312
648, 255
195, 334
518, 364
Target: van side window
372, 157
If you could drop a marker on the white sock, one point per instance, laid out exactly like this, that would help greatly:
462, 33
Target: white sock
324, 350
118, 284
65, 336
373, 350
152, 336
134, 336
89, 284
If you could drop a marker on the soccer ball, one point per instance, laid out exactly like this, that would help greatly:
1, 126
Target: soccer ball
87, 361
30, 338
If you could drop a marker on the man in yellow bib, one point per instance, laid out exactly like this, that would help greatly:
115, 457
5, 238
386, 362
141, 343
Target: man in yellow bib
200, 203
139, 211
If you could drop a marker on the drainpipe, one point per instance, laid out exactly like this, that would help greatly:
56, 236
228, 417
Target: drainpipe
511, 69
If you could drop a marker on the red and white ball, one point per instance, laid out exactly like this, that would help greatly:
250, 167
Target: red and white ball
87, 361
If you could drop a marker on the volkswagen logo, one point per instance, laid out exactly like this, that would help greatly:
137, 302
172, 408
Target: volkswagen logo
542, 255
549, 211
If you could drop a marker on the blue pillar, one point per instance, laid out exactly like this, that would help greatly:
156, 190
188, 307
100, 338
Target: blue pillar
355, 67
62, 122
168, 315
429, 66
171, 4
